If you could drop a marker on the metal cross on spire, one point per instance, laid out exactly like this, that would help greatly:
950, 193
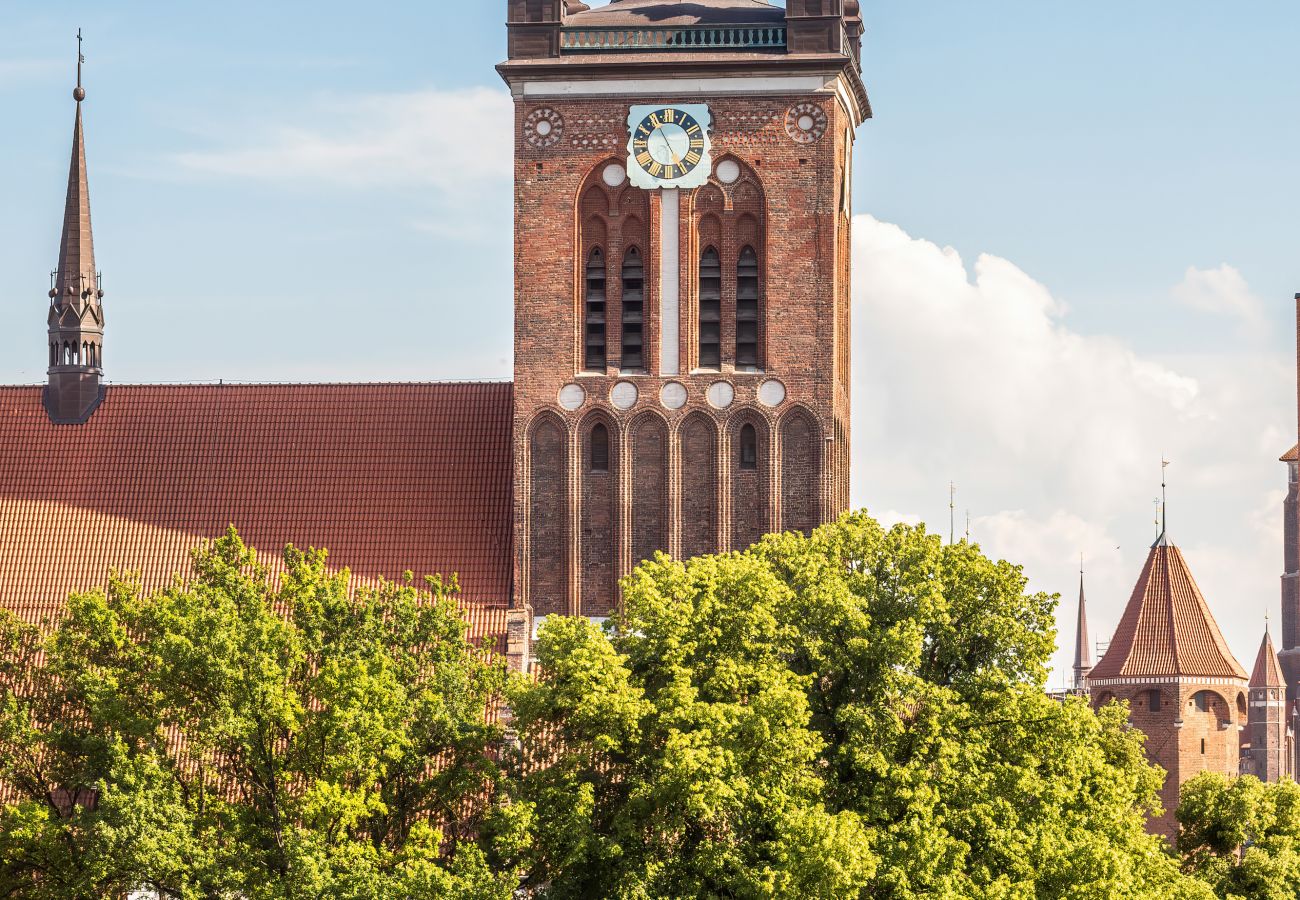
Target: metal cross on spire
80, 93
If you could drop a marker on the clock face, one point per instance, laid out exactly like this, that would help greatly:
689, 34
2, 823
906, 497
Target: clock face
669, 146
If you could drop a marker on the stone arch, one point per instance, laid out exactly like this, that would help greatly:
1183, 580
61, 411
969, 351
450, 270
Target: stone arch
1105, 698
698, 451
648, 438
548, 515
750, 493
1208, 701
598, 515
801, 471
1243, 709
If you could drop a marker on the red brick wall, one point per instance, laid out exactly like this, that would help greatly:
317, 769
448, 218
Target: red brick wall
800, 465
649, 487
1181, 738
789, 205
598, 537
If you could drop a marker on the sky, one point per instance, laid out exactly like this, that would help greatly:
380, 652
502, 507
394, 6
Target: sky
1075, 245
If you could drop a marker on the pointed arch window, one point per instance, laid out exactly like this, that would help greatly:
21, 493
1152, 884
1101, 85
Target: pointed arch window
748, 449
633, 310
710, 310
599, 449
595, 312
747, 309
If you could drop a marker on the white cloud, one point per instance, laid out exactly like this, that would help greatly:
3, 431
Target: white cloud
1054, 437
1222, 291
450, 141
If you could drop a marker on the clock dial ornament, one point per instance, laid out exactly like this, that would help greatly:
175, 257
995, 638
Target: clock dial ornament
669, 146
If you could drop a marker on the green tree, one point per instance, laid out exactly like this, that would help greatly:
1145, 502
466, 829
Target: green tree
241, 735
1241, 836
856, 713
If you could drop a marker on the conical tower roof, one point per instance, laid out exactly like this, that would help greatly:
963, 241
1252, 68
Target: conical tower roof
1167, 629
77, 243
1268, 671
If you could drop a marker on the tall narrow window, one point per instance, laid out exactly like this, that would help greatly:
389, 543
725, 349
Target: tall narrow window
710, 310
633, 310
747, 302
748, 449
595, 300
600, 449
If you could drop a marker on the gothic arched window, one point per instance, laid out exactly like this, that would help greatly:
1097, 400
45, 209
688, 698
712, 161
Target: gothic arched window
600, 449
748, 448
747, 309
633, 310
710, 310
595, 312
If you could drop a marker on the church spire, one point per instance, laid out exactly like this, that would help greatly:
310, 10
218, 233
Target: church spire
1082, 649
76, 319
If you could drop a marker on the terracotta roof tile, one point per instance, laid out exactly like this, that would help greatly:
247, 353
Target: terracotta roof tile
1292, 455
387, 477
1167, 628
1268, 670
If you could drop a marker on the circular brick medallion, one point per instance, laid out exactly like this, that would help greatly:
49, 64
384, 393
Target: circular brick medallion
572, 396
623, 395
543, 128
806, 123
721, 394
771, 393
673, 395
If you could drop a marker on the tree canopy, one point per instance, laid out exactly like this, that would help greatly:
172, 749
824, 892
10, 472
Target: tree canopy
235, 736
856, 713
861, 712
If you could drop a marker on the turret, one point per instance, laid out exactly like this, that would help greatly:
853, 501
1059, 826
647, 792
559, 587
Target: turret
1267, 730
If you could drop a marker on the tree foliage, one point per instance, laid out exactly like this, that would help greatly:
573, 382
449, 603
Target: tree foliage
1241, 836
232, 736
856, 713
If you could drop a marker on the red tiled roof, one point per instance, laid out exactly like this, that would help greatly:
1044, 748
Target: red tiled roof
1268, 670
1292, 455
1167, 628
388, 478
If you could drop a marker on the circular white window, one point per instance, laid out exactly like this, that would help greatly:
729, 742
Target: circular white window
623, 395
544, 128
572, 396
614, 175
771, 393
721, 395
728, 171
673, 395
806, 123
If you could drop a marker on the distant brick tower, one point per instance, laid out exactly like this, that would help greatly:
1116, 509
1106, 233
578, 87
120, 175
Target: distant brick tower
1186, 690
1290, 654
76, 316
1268, 755
682, 241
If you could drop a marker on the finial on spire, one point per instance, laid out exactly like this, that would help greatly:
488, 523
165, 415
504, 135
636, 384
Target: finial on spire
1162, 521
79, 93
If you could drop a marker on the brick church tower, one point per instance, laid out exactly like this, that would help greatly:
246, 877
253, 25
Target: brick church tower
1186, 691
682, 305
1290, 653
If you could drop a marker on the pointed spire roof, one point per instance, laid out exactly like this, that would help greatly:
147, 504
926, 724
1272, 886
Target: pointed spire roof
1268, 670
77, 244
1082, 647
1167, 629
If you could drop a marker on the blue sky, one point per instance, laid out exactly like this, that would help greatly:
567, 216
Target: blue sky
320, 191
